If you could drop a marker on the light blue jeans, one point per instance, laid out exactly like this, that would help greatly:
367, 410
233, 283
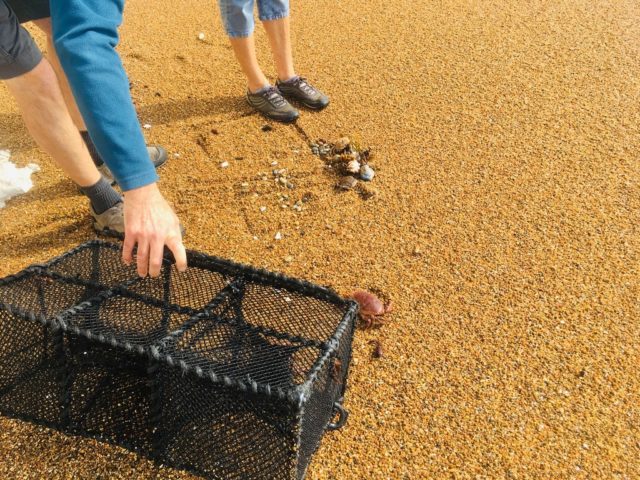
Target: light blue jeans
237, 15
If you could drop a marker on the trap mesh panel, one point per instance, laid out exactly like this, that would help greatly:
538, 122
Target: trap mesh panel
224, 370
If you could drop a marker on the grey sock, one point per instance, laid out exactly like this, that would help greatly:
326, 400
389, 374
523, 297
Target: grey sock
102, 196
97, 159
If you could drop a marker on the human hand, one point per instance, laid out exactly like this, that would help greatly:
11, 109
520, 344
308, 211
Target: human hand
150, 223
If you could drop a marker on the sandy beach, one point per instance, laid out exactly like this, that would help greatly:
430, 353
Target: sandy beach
505, 224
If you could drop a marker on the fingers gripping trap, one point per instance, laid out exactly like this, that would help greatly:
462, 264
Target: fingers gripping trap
225, 370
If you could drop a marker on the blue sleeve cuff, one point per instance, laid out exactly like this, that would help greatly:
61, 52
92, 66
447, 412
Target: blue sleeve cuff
137, 181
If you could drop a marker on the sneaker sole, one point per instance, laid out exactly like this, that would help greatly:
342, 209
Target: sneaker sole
314, 107
107, 232
277, 119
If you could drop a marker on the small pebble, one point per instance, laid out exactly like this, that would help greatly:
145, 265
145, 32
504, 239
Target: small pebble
278, 236
263, 209
244, 184
347, 183
224, 164
146, 126
341, 144
353, 166
267, 128
176, 155
274, 163
417, 251
201, 36
367, 173
377, 349
288, 259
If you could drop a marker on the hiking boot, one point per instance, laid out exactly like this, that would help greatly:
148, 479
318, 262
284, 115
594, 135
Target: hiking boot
157, 154
111, 221
271, 104
298, 88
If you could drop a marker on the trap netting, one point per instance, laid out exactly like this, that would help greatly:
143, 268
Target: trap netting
225, 370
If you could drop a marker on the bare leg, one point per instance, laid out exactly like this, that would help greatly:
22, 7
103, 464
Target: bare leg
42, 105
45, 26
245, 51
279, 34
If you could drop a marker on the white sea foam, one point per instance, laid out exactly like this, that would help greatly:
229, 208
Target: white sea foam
14, 180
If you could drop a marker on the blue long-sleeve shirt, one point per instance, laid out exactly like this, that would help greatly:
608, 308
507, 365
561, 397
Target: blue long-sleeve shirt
85, 34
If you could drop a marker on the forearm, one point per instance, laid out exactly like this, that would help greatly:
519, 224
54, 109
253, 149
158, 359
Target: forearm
85, 35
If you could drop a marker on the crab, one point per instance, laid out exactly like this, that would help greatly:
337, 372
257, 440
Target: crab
372, 309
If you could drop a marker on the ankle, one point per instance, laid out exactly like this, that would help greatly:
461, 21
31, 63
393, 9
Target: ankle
287, 78
255, 87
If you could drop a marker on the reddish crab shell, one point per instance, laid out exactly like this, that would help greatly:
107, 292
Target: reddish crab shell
372, 310
369, 303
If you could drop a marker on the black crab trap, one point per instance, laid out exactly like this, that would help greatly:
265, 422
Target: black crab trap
227, 371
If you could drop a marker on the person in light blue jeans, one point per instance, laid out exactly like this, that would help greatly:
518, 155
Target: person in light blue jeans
270, 100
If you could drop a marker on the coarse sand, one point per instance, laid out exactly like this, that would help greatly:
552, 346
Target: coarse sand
506, 228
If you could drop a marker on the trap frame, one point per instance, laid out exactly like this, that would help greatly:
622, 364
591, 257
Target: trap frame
226, 371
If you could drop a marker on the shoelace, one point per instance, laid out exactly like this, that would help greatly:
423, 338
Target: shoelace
301, 82
273, 95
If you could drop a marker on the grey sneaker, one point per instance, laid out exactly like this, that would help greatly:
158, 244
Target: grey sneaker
110, 222
271, 104
157, 154
298, 88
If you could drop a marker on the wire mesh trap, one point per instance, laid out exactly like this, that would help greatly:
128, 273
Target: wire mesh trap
227, 371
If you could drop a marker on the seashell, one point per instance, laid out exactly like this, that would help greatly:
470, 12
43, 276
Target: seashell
347, 183
367, 173
201, 36
341, 144
353, 166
